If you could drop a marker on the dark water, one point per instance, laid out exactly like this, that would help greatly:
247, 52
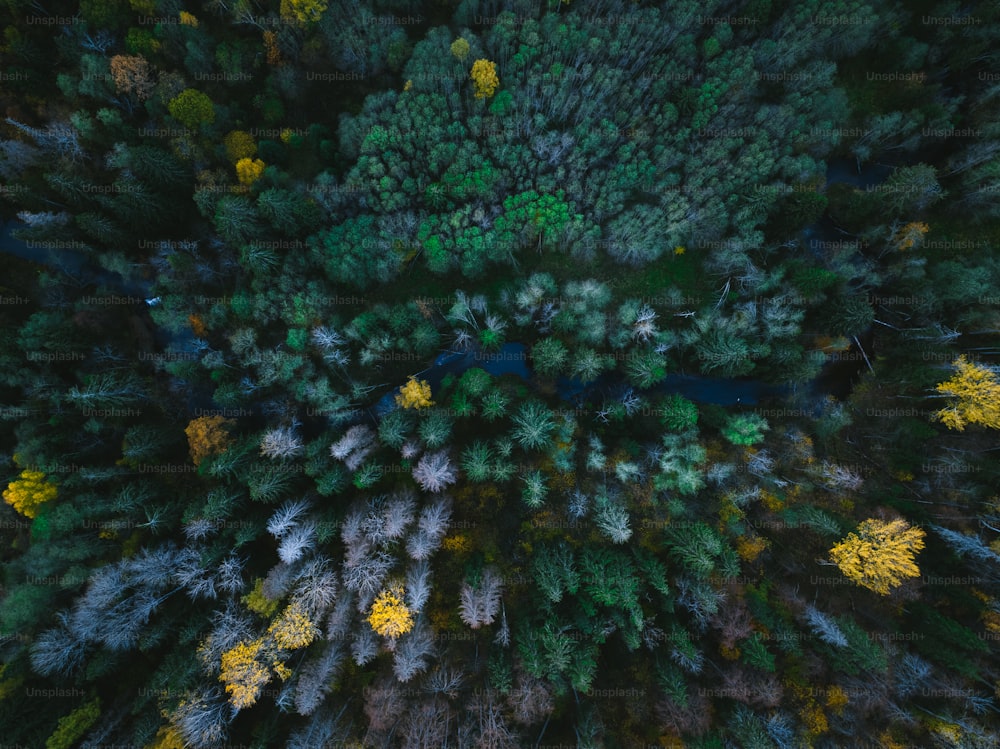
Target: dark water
75, 263
512, 357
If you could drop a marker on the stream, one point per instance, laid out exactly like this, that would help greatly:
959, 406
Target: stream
512, 358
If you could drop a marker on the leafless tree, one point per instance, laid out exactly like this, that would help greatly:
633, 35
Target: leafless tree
479, 605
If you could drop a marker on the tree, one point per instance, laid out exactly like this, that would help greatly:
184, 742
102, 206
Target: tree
745, 429
192, 108
249, 170
208, 436
239, 145
281, 442
293, 629
460, 49
478, 605
484, 76
243, 673
415, 394
28, 492
879, 554
390, 616
303, 11
533, 425
72, 727
434, 471
975, 392
132, 76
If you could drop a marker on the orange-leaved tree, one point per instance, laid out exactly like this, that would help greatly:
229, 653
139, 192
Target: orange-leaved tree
208, 436
28, 492
975, 392
879, 554
131, 75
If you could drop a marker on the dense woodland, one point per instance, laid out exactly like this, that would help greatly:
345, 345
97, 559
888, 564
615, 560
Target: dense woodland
250, 503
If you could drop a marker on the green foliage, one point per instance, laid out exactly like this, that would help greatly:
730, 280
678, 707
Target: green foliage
755, 653
677, 413
745, 429
73, 726
192, 108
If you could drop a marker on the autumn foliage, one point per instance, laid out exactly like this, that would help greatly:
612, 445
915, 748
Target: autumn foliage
414, 394
28, 492
390, 616
484, 76
976, 397
207, 436
879, 554
249, 170
131, 75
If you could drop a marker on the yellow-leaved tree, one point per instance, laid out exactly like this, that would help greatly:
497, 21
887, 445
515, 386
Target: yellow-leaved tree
879, 554
975, 392
414, 394
484, 76
28, 492
249, 170
293, 629
390, 616
244, 674
303, 11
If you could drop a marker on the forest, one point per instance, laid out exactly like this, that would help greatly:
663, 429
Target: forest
612, 374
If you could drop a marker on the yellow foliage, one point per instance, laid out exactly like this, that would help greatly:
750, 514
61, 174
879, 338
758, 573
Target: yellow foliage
679, 250
408, 85
814, 719
188, 19
271, 48
28, 492
976, 394
460, 48
257, 602
888, 742
836, 699
414, 394
750, 548
303, 11
771, 501
293, 629
167, 738
879, 554
729, 653
243, 674
207, 436
239, 145
249, 170
282, 670
457, 542
484, 75
390, 616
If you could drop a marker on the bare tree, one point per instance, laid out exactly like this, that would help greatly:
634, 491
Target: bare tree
412, 650
297, 542
479, 605
418, 585
317, 678
281, 443
434, 471
286, 517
